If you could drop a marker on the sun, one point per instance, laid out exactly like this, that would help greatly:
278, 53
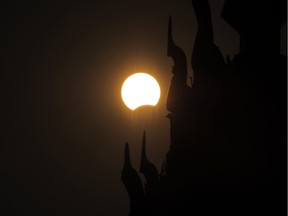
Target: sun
140, 89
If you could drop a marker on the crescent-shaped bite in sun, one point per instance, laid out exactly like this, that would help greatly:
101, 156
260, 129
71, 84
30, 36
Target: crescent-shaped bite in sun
140, 89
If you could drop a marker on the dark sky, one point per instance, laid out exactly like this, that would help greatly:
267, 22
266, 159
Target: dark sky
63, 123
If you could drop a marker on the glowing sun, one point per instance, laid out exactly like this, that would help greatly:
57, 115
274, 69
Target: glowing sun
140, 89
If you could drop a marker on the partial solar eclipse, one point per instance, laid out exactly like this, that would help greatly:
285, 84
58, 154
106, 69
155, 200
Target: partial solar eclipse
140, 89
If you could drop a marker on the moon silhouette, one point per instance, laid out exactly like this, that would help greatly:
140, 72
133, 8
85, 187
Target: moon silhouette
140, 89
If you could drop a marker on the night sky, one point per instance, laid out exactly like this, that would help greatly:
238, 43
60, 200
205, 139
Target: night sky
63, 123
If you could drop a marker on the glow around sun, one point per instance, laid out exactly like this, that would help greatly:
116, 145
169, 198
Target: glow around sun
140, 89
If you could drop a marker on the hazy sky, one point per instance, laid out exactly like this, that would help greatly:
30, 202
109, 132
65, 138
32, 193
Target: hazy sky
64, 125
